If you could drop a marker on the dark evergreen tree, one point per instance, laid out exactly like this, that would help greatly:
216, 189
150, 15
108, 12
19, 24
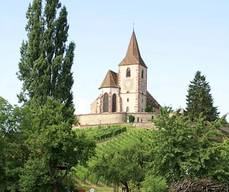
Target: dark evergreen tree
199, 99
45, 70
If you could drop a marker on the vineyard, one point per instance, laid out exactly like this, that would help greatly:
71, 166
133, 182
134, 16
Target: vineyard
110, 139
102, 133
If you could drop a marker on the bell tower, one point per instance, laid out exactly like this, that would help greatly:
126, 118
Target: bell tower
133, 79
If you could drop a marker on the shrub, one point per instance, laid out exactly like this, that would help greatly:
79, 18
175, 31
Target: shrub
154, 184
131, 118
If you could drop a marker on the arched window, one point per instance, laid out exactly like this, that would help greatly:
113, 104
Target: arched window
128, 73
105, 102
142, 73
114, 102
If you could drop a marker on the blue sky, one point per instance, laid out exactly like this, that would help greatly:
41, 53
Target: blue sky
176, 38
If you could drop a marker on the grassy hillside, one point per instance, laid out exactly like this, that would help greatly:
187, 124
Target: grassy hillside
111, 138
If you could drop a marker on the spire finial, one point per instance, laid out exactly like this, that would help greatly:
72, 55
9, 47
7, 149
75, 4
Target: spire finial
133, 25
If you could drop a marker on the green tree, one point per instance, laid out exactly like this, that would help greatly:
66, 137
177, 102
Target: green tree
46, 60
187, 149
12, 148
2, 145
199, 99
45, 70
149, 107
54, 149
153, 183
126, 166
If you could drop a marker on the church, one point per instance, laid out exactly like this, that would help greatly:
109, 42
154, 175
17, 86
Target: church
124, 92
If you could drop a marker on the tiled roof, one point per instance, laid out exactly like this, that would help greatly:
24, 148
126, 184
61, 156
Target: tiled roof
111, 80
133, 55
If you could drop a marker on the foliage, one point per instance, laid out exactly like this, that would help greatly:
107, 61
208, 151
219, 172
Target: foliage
12, 149
149, 107
120, 167
224, 121
187, 149
54, 148
131, 118
46, 60
3, 118
103, 132
199, 99
45, 71
141, 138
153, 183
123, 165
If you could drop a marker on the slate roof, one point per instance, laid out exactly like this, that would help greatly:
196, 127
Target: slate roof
133, 55
111, 80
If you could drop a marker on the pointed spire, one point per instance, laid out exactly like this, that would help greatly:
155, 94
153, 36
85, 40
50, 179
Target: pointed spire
133, 55
111, 80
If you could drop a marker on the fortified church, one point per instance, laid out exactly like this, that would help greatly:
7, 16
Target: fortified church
124, 92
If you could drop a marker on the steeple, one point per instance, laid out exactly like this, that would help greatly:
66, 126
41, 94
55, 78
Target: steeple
133, 55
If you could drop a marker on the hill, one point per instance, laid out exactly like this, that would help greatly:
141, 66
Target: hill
108, 138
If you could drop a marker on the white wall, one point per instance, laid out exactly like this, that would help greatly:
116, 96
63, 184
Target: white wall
133, 88
129, 87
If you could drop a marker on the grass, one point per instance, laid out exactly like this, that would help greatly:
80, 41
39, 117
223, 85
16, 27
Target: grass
98, 188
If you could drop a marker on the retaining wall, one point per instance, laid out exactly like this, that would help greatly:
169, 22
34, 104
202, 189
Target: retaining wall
112, 118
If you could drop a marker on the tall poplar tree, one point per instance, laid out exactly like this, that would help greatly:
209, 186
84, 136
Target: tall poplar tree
45, 70
199, 99
46, 59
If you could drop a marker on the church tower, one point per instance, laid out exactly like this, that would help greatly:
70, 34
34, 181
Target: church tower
133, 79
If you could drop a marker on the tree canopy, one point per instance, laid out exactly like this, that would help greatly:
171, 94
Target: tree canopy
13, 151
199, 99
124, 166
45, 71
188, 149
46, 59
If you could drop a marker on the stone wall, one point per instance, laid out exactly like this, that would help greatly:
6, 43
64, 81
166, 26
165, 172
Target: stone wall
112, 118
102, 118
142, 117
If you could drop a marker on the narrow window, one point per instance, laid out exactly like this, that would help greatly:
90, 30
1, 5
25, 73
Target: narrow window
114, 103
127, 99
142, 74
105, 102
128, 73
